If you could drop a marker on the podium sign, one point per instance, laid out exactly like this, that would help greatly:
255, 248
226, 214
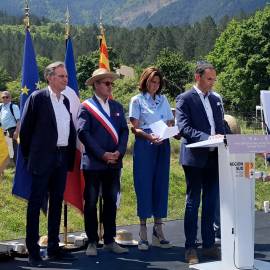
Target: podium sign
237, 201
248, 143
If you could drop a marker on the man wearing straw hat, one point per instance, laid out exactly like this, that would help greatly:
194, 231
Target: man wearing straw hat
103, 130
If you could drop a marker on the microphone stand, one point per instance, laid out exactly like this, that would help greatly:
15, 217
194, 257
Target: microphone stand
219, 104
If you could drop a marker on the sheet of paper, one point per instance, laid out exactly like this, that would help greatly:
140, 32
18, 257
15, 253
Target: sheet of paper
161, 130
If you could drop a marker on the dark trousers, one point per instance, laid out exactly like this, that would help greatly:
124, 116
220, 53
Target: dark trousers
51, 184
15, 149
109, 180
217, 216
201, 183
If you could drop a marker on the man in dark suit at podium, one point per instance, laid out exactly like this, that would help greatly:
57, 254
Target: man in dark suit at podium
48, 143
200, 117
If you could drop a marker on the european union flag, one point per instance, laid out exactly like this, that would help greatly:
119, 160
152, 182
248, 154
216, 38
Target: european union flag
22, 180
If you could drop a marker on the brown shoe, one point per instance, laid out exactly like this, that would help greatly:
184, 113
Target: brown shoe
191, 256
212, 252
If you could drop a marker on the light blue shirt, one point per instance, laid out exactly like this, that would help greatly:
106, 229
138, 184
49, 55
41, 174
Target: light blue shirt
6, 118
148, 110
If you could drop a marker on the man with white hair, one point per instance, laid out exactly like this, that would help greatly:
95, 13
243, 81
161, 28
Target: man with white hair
48, 156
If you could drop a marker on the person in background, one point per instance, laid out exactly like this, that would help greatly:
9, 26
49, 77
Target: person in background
10, 120
200, 117
103, 130
48, 143
151, 156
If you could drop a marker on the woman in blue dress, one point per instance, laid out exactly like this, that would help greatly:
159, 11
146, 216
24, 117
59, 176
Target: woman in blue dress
151, 157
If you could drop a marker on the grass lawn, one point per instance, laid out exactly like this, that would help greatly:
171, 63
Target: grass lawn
12, 209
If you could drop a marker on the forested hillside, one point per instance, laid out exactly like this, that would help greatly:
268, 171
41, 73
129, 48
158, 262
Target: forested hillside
238, 48
138, 46
135, 12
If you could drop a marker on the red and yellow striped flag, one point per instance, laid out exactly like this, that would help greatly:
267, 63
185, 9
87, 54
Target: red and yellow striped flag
104, 57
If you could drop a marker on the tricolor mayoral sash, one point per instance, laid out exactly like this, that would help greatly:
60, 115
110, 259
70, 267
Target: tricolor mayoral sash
101, 116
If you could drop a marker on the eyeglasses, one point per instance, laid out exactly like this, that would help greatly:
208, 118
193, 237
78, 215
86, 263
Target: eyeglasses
61, 76
5, 97
108, 83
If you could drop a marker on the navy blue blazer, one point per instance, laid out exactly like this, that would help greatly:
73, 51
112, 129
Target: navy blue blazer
38, 133
97, 140
194, 126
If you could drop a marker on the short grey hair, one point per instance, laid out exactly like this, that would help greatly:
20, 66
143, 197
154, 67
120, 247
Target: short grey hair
49, 70
202, 66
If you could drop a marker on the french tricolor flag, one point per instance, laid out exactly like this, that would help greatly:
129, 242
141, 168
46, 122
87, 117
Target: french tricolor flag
75, 182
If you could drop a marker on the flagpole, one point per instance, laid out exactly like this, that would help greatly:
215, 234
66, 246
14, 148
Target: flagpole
30, 80
100, 219
67, 35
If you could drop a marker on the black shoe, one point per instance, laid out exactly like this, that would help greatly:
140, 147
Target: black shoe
61, 255
36, 262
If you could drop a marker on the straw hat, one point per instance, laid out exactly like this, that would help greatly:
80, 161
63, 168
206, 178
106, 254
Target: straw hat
123, 237
233, 124
100, 74
43, 241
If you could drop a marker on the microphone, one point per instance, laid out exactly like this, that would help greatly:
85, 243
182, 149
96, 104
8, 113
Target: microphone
220, 105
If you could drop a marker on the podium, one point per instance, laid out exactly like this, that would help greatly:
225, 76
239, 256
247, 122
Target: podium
237, 200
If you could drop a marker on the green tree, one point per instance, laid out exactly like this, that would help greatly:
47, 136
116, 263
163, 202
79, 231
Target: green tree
156, 44
4, 78
86, 64
242, 56
124, 89
14, 87
205, 37
175, 70
42, 63
189, 44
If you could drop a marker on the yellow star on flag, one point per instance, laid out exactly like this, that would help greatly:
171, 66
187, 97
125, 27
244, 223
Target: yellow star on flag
25, 90
37, 85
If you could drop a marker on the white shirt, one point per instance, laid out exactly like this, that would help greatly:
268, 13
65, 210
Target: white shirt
62, 117
208, 109
105, 105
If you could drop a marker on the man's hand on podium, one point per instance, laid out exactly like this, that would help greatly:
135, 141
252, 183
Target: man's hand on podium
217, 136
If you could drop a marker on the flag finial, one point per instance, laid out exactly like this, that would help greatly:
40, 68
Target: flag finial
67, 14
104, 57
101, 27
26, 19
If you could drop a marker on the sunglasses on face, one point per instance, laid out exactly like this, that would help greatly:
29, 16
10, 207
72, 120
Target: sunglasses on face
5, 97
108, 83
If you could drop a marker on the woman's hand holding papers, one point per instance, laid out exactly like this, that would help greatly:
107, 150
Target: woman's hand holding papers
155, 139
